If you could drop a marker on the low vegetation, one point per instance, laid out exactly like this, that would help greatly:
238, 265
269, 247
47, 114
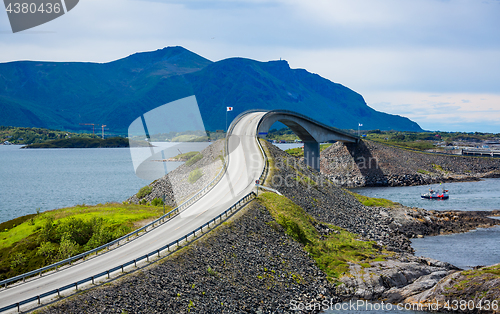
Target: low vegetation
191, 161
299, 151
20, 135
426, 140
30, 242
373, 202
144, 191
195, 175
75, 142
333, 251
284, 134
184, 156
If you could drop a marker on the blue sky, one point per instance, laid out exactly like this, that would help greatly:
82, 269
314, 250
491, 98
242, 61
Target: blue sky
436, 62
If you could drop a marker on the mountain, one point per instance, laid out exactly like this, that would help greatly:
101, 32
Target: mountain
61, 95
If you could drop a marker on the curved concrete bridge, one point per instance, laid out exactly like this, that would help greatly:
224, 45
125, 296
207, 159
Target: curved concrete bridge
237, 181
311, 132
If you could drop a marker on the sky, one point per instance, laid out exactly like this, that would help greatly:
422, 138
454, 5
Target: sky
436, 62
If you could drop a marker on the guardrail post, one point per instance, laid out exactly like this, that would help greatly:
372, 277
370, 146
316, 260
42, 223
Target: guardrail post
135, 263
92, 279
76, 285
18, 307
108, 273
147, 258
158, 253
122, 268
38, 299
58, 294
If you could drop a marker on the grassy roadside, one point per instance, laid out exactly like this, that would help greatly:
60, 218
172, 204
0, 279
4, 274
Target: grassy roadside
33, 241
372, 201
299, 152
332, 250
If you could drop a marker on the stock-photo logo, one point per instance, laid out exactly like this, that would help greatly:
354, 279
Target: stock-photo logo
31, 13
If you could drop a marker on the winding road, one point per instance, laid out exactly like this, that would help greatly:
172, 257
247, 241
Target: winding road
244, 167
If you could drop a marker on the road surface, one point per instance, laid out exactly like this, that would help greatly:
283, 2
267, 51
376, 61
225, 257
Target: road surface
245, 166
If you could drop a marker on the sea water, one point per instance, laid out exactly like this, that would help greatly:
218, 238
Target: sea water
464, 250
62, 177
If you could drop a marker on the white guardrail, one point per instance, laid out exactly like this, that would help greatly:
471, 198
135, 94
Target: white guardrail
174, 244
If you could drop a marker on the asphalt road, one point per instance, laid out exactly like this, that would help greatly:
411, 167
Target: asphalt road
245, 166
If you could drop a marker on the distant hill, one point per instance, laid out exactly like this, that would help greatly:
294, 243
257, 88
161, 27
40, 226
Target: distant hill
61, 95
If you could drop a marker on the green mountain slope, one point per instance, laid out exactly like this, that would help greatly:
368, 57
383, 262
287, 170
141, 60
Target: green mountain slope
61, 95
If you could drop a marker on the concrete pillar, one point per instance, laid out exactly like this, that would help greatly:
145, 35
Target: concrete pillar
311, 154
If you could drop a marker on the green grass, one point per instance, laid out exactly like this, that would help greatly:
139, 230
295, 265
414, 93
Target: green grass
144, 191
185, 156
194, 159
79, 228
372, 202
424, 171
299, 152
331, 253
438, 168
493, 270
79, 142
295, 152
195, 175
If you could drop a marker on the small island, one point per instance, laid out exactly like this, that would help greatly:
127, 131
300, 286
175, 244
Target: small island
80, 142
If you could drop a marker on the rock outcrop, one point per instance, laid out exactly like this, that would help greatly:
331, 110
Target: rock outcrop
373, 164
176, 186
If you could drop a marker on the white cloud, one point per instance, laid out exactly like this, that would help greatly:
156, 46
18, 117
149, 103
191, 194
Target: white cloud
446, 111
386, 47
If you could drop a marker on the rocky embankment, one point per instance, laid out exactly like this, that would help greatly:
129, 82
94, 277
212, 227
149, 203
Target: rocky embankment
249, 264
373, 164
177, 186
245, 266
390, 227
398, 278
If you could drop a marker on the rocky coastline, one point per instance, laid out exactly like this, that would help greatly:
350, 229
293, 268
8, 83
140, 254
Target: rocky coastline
176, 186
373, 164
249, 264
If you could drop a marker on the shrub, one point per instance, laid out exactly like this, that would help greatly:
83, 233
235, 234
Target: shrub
157, 202
195, 175
19, 259
144, 191
68, 247
47, 250
194, 159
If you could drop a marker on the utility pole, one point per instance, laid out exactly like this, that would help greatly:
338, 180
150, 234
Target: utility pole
103, 130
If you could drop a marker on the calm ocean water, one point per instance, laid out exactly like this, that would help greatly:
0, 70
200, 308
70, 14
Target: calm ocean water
56, 178
481, 195
465, 250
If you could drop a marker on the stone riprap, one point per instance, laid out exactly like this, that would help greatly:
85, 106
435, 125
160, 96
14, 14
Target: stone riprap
374, 164
249, 265
245, 266
176, 186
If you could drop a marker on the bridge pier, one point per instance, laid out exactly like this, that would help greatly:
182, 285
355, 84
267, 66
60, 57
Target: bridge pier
308, 130
311, 154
